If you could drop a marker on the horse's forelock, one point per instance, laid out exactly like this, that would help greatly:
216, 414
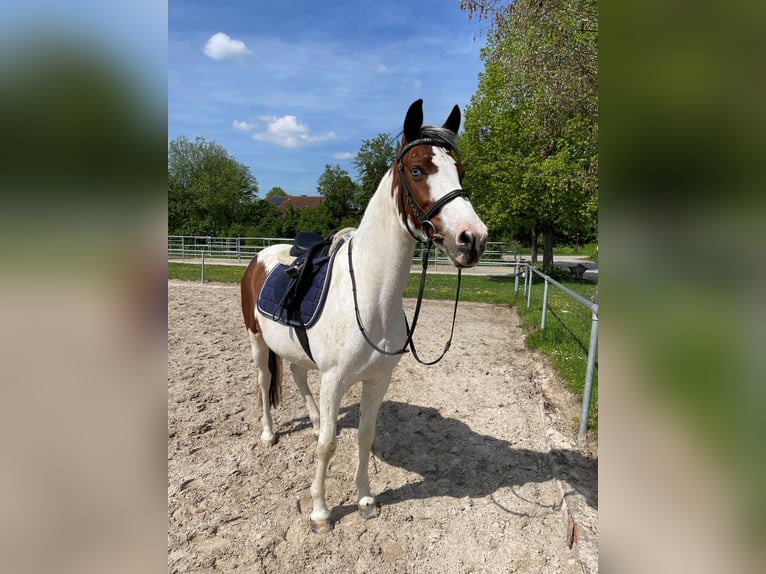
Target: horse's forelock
442, 136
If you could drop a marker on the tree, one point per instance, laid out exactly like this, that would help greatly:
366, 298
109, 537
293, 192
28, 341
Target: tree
275, 191
372, 161
259, 219
491, 149
208, 190
288, 225
340, 193
541, 82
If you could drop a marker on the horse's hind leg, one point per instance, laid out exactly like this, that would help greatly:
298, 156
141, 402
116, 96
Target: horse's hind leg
300, 375
372, 397
269, 381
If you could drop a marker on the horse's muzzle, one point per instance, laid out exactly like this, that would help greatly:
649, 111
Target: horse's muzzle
468, 246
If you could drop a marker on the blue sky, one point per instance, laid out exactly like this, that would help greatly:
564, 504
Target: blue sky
288, 87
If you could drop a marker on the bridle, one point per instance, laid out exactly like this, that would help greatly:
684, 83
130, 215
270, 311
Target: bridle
423, 217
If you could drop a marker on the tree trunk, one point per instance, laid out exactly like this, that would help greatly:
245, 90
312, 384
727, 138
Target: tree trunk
548, 249
534, 245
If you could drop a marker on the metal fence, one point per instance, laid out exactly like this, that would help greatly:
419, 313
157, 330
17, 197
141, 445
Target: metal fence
527, 274
240, 250
193, 248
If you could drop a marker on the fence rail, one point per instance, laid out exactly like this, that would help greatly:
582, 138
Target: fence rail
240, 250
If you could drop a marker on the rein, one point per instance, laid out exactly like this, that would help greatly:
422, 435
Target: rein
424, 219
409, 342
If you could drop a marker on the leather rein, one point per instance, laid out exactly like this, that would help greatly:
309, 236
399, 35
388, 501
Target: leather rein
424, 221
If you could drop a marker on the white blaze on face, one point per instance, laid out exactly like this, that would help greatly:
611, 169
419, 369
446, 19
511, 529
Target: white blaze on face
465, 235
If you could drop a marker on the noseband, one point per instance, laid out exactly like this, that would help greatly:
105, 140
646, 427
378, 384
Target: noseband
422, 215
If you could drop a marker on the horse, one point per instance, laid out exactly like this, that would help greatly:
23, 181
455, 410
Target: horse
362, 331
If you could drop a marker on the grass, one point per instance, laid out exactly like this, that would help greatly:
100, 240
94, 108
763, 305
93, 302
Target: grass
474, 288
564, 340
192, 272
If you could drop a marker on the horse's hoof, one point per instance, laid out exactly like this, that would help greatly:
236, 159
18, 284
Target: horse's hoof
268, 439
320, 526
368, 509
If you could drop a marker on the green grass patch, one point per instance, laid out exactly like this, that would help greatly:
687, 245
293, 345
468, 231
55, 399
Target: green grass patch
193, 272
474, 288
564, 340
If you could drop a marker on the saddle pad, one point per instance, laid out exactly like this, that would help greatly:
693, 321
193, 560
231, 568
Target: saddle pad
311, 305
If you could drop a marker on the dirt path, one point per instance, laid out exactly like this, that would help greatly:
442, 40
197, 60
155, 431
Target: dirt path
475, 464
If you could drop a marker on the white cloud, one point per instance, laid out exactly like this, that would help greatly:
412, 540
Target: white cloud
381, 69
287, 131
221, 46
242, 125
344, 155
417, 84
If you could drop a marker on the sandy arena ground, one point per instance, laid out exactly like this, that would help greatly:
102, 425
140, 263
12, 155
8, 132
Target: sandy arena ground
475, 463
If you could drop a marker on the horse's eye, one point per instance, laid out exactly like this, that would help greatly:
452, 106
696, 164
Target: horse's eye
415, 171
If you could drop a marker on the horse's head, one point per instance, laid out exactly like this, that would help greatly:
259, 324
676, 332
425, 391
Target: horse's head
427, 188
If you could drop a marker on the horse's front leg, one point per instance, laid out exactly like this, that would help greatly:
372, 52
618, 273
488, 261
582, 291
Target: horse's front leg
330, 394
372, 397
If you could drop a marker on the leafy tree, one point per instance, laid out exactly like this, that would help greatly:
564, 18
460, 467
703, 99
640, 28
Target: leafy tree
316, 219
288, 225
340, 193
491, 151
208, 190
259, 219
541, 83
372, 161
275, 192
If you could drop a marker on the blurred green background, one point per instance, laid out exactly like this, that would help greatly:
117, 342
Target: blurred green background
683, 269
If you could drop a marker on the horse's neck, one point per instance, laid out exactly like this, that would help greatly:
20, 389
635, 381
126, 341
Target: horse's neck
382, 248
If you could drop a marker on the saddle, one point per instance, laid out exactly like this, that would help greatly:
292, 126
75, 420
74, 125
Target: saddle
294, 293
310, 251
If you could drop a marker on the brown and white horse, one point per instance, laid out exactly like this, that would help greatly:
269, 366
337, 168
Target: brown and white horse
362, 330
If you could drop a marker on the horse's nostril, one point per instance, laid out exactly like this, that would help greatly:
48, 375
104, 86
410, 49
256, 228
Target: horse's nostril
466, 238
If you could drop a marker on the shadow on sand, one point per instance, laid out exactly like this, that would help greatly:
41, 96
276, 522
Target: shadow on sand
455, 461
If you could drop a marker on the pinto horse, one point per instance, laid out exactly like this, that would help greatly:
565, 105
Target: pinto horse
362, 331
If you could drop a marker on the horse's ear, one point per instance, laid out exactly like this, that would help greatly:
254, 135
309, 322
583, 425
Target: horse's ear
413, 121
453, 121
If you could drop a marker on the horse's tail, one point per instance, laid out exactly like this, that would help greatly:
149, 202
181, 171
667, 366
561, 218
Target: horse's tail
275, 386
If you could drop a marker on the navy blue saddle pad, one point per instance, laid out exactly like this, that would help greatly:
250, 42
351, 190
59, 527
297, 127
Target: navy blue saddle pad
269, 301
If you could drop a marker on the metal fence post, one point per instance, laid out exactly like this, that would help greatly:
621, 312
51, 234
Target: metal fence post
529, 290
202, 276
526, 277
588, 378
516, 279
545, 305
